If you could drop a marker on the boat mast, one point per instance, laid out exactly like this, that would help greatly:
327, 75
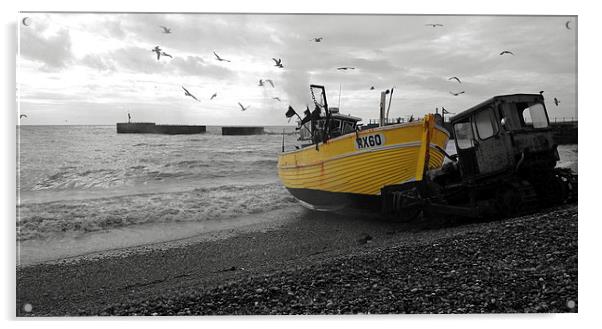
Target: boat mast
339, 96
383, 104
390, 99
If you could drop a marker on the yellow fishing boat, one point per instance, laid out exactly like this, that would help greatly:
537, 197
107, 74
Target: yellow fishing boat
345, 166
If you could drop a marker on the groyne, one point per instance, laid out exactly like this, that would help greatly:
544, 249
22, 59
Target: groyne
152, 128
243, 131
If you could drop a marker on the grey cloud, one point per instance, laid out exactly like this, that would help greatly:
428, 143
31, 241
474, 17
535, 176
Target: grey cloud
113, 27
199, 33
195, 65
53, 51
116, 29
50, 96
97, 62
138, 59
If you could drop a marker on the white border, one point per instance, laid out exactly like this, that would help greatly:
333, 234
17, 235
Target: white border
589, 160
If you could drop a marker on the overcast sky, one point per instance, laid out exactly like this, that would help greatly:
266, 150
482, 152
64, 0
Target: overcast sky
95, 68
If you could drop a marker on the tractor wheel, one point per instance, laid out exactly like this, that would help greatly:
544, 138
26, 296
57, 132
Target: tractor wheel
514, 199
407, 205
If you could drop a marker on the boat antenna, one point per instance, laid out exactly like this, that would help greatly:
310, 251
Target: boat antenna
339, 96
390, 98
283, 139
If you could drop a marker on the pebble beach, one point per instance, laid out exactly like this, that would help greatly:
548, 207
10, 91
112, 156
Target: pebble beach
345, 265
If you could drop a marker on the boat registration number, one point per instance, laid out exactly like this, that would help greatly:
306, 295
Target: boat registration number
369, 141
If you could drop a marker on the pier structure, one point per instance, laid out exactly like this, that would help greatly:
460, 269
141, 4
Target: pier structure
243, 131
152, 128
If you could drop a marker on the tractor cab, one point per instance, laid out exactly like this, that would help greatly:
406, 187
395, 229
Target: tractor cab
507, 133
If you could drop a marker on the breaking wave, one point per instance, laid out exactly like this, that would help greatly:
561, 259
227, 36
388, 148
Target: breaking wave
43, 220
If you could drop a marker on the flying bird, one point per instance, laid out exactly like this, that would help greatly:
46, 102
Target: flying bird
213, 96
278, 62
260, 84
166, 54
345, 68
158, 51
187, 93
556, 101
433, 25
506, 52
22, 116
565, 24
219, 58
276, 98
372, 88
166, 29
319, 39
243, 108
270, 82
456, 94
455, 78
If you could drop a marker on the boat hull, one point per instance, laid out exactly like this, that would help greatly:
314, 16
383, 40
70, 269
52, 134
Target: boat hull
351, 170
333, 201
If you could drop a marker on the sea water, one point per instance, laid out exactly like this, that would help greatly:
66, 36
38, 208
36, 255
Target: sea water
86, 188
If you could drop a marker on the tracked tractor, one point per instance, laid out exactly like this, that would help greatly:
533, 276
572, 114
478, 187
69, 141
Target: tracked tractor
505, 165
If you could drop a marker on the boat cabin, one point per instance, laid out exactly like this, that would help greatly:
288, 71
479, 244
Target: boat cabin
340, 124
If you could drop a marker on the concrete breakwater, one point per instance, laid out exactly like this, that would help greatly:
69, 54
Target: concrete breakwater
152, 128
243, 131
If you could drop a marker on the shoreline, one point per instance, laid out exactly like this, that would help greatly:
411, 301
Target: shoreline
146, 237
158, 279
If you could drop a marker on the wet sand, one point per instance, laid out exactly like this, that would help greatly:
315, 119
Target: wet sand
229, 274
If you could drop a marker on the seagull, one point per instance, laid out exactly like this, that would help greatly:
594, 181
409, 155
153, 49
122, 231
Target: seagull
556, 101
567, 25
317, 39
243, 108
433, 25
187, 93
270, 82
22, 116
455, 78
213, 96
278, 62
276, 98
372, 88
166, 54
219, 58
345, 68
541, 92
260, 84
166, 30
158, 51
506, 52
456, 94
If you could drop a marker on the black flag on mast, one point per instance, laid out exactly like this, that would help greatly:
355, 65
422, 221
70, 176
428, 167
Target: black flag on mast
290, 112
307, 117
